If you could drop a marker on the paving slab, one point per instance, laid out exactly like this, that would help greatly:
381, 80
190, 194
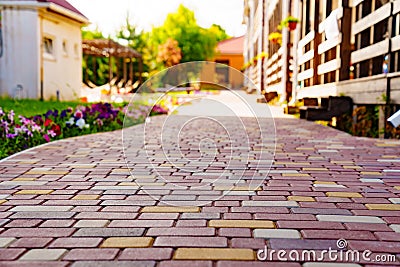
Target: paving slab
75, 203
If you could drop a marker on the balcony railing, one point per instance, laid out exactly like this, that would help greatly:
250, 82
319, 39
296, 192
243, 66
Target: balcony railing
274, 68
369, 54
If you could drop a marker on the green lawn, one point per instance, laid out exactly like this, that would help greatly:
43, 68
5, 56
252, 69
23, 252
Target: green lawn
31, 107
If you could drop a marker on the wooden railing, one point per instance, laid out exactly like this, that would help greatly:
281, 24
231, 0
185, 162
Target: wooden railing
369, 21
333, 64
274, 68
254, 75
305, 54
372, 53
321, 60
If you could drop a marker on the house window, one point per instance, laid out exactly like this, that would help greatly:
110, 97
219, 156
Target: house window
48, 46
65, 48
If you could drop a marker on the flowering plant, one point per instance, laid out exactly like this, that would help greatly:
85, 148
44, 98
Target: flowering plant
289, 22
254, 60
275, 37
20, 133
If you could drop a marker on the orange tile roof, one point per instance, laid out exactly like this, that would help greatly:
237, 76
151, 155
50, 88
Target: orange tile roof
231, 46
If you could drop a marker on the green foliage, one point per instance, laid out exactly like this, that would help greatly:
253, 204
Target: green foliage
91, 34
99, 77
138, 40
219, 32
195, 42
31, 107
364, 121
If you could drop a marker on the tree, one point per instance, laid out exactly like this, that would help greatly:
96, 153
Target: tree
219, 32
195, 42
169, 53
139, 41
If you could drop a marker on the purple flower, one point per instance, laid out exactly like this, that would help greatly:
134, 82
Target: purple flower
48, 113
1, 112
63, 114
4, 124
38, 119
11, 136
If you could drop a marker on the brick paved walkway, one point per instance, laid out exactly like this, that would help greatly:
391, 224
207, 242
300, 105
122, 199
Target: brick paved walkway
74, 202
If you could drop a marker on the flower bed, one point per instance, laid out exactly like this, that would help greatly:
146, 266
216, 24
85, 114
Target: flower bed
19, 133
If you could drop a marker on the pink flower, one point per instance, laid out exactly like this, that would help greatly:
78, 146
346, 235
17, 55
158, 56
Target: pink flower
46, 137
78, 114
51, 133
99, 122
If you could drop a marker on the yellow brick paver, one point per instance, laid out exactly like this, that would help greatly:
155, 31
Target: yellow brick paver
343, 194
34, 192
370, 173
383, 206
127, 242
24, 179
323, 182
301, 198
214, 254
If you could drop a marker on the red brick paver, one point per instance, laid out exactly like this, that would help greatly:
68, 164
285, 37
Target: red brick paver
62, 201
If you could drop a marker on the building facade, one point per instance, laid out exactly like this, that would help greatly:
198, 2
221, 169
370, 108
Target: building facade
230, 52
338, 48
226, 72
41, 52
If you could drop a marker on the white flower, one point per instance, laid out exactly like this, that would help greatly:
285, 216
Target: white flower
36, 128
71, 121
80, 123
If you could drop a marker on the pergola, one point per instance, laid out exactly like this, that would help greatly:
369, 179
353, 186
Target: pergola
111, 49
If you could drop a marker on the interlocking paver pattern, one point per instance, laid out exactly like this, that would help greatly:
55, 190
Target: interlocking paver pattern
75, 203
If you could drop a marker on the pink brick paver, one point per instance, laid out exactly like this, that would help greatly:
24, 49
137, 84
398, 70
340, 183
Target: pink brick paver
323, 185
